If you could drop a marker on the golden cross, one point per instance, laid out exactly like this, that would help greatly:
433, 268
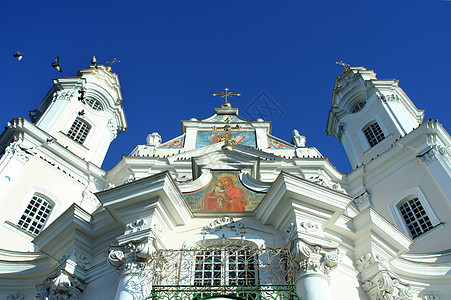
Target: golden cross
226, 94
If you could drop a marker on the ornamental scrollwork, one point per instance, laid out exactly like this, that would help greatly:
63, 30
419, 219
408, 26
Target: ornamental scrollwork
227, 222
368, 259
314, 259
61, 286
132, 257
386, 285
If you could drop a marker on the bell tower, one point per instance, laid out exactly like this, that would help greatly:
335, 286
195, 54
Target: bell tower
83, 113
368, 114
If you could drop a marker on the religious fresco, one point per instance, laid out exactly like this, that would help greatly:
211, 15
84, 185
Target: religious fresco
274, 144
175, 143
225, 192
205, 138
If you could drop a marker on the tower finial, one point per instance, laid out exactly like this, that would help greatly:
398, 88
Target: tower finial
224, 95
344, 65
111, 63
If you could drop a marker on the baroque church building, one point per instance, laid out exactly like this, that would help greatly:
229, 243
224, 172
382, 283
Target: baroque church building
225, 210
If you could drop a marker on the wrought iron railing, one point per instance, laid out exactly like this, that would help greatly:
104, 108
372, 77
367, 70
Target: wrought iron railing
266, 292
232, 270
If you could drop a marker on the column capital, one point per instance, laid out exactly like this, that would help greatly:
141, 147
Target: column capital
61, 285
315, 258
133, 256
386, 285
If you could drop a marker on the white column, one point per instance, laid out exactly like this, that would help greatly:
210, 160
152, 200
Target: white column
313, 287
315, 263
134, 282
132, 260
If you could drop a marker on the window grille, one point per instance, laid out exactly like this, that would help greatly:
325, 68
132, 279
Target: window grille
95, 104
415, 217
373, 134
35, 215
231, 267
79, 130
358, 106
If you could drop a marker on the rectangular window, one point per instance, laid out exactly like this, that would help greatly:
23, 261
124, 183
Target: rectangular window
79, 130
415, 217
35, 215
373, 134
225, 268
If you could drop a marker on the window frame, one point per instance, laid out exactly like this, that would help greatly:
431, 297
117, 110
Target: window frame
403, 198
370, 125
12, 223
83, 121
35, 218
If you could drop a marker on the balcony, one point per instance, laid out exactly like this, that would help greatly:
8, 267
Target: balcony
234, 271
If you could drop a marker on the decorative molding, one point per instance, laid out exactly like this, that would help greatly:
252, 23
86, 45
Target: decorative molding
80, 258
314, 259
220, 223
386, 285
61, 286
433, 154
363, 201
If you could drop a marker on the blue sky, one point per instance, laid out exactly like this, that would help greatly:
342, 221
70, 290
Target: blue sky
175, 54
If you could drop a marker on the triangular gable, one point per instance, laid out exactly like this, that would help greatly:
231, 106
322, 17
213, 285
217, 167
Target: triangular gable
276, 143
178, 142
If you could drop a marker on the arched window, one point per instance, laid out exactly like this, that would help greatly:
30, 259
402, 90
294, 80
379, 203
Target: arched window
358, 107
95, 104
36, 214
373, 133
79, 130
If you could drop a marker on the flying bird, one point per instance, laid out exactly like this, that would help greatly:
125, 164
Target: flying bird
18, 55
56, 64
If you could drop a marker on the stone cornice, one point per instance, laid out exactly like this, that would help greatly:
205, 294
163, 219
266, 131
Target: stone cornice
158, 192
47, 144
296, 196
370, 221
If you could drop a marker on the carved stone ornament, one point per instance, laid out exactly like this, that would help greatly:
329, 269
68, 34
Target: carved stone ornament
369, 259
314, 259
433, 154
297, 139
386, 285
112, 127
431, 297
90, 198
61, 286
135, 226
80, 258
224, 222
153, 139
63, 95
363, 201
16, 296
132, 257
19, 151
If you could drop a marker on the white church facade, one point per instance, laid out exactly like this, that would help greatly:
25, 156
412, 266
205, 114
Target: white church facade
225, 210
